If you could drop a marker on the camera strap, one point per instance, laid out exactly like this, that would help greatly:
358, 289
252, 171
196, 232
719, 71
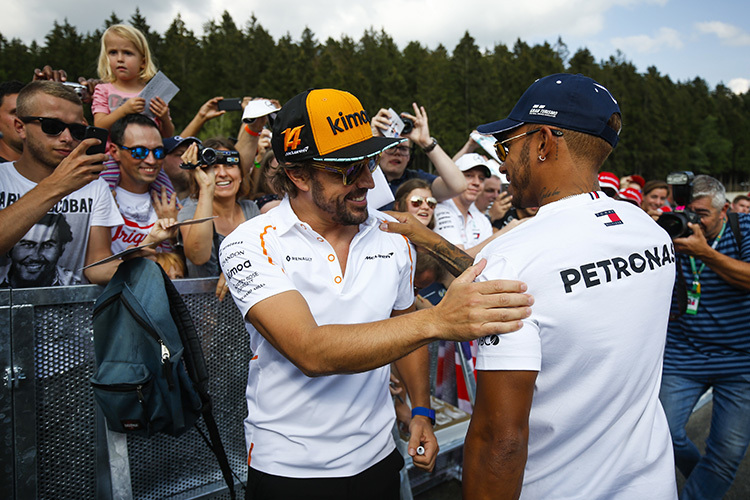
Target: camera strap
694, 293
734, 225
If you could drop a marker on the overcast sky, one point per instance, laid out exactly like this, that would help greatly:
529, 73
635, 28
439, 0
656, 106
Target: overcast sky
681, 38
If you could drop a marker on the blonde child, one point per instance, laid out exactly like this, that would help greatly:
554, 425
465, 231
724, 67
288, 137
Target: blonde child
172, 264
125, 66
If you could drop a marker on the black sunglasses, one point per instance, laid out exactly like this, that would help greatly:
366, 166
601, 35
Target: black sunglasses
55, 127
350, 171
141, 152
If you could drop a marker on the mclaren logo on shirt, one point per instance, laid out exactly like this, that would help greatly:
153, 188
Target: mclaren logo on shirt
379, 256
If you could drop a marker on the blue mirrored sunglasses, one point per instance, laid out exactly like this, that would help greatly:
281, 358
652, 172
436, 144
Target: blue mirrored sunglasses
141, 152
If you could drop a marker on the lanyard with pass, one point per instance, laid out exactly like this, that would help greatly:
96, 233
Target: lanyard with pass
694, 294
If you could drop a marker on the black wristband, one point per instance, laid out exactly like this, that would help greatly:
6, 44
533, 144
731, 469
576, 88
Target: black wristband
429, 148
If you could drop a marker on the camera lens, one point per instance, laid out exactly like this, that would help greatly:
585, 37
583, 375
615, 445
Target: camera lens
408, 126
208, 156
675, 224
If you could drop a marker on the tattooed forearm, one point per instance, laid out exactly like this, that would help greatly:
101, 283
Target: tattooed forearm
453, 258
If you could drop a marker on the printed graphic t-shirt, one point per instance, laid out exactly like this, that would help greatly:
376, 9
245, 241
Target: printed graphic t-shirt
92, 205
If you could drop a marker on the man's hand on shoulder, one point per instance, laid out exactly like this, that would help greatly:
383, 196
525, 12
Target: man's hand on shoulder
470, 310
408, 225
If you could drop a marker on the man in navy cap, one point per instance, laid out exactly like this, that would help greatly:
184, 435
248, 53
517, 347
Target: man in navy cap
567, 407
175, 147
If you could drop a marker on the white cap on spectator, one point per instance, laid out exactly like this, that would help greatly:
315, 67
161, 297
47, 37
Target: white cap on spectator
471, 160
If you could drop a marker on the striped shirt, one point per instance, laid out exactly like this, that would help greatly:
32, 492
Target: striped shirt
716, 340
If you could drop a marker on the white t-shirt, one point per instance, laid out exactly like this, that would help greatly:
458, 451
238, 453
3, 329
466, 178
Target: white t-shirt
92, 205
139, 217
601, 273
330, 426
450, 224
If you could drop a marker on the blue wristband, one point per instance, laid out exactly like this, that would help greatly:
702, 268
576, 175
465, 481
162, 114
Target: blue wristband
425, 412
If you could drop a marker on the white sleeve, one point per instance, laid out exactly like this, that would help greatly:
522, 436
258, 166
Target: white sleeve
252, 263
105, 212
521, 350
405, 297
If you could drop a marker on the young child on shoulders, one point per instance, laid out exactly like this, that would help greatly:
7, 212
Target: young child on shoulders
125, 67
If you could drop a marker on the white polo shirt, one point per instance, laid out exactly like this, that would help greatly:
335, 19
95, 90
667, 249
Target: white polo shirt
601, 272
329, 426
450, 224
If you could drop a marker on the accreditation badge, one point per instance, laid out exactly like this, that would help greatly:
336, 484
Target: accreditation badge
692, 302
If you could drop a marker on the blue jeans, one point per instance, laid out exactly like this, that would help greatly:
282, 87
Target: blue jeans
708, 476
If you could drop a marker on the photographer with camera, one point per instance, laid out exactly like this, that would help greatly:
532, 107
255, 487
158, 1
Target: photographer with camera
217, 188
450, 180
708, 345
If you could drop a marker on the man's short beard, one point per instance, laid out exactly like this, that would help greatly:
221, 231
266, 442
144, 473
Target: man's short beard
40, 154
337, 209
521, 178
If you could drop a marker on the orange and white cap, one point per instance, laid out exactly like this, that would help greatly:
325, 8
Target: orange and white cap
325, 125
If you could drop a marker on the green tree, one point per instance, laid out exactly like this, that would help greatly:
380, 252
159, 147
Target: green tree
16, 60
154, 39
62, 49
180, 56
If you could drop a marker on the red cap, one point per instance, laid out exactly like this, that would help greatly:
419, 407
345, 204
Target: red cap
638, 180
631, 195
609, 180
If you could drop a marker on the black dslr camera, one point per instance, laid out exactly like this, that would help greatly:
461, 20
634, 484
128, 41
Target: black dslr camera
676, 223
210, 156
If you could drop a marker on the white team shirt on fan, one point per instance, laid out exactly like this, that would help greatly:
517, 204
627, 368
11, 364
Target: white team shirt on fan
601, 273
450, 224
329, 426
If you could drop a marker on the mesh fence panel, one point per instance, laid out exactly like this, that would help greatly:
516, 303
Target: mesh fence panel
64, 358
160, 466
163, 465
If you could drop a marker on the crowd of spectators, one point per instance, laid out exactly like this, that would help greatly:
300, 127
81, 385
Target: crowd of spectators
62, 209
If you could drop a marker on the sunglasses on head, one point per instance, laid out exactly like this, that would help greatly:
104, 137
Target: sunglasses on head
416, 201
502, 150
350, 171
141, 152
55, 127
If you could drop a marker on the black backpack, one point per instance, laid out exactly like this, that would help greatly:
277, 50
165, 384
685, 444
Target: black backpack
151, 374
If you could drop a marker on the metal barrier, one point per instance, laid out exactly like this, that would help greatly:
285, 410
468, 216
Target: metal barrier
55, 446
55, 442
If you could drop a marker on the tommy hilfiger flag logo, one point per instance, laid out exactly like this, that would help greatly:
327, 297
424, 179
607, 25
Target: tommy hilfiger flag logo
614, 219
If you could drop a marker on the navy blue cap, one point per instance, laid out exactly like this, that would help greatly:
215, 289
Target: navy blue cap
572, 102
171, 143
